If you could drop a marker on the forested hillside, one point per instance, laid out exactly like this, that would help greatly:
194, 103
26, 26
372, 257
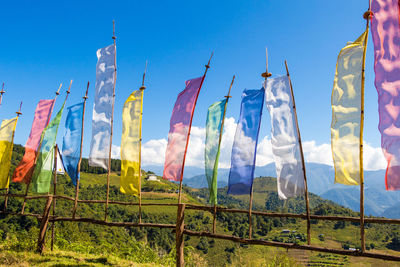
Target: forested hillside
153, 245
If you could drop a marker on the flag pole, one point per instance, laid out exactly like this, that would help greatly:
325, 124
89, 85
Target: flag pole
80, 153
265, 75
38, 150
367, 15
219, 144
55, 178
112, 121
1, 94
12, 142
302, 159
54, 193
142, 88
190, 124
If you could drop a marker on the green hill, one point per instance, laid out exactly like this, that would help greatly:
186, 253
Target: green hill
156, 246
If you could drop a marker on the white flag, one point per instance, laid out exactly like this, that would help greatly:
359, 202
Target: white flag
102, 108
284, 138
60, 165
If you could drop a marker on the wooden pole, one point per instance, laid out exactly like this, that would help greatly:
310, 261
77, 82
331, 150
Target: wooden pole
55, 177
219, 144
180, 228
302, 159
142, 88
367, 16
1, 94
54, 193
12, 142
112, 122
80, 153
43, 225
250, 214
40, 145
190, 124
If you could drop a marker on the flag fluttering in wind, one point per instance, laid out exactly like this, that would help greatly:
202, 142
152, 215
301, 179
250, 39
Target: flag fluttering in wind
215, 116
24, 170
102, 107
7, 129
385, 31
346, 112
130, 144
245, 143
45, 163
180, 124
72, 141
284, 138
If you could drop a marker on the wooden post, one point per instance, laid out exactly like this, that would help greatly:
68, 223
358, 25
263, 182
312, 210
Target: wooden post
12, 142
190, 127
142, 88
302, 160
40, 145
54, 193
112, 122
1, 94
180, 227
250, 210
219, 144
43, 225
80, 153
367, 16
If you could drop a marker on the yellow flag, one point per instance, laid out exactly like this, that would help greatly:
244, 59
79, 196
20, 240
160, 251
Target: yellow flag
346, 127
130, 144
7, 129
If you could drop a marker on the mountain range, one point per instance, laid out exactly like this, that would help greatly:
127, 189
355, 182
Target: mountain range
320, 180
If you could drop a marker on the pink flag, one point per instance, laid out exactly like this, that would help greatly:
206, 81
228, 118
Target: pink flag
178, 137
24, 170
385, 30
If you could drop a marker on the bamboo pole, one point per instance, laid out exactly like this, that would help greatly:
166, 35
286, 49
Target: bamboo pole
362, 225
180, 228
1, 94
190, 124
43, 225
12, 142
112, 122
80, 153
265, 75
54, 193
303, 165
40, 145
219, 144
55, 176
142, 88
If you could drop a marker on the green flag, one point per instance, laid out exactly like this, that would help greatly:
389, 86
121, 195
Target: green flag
215, 116
45, 160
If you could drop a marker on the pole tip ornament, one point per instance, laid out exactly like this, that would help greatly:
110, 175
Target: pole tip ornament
368, 15
142, 87
266, 74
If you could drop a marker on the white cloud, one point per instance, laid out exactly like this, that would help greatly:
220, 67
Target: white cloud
153, 151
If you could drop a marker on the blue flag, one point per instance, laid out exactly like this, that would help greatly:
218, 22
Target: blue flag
245, 144
72, 141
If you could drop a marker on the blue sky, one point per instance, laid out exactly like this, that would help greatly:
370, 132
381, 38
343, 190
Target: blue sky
48, 42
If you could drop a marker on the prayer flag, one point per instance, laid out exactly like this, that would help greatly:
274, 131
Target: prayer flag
385, 31
181, 121
45, 162
102, 107
71, 149
130, 144
7, 129
284, 138
215, 116
245, 143
24, 170
346, 112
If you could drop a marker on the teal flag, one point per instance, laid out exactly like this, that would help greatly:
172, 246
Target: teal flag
215, 116
45, 160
